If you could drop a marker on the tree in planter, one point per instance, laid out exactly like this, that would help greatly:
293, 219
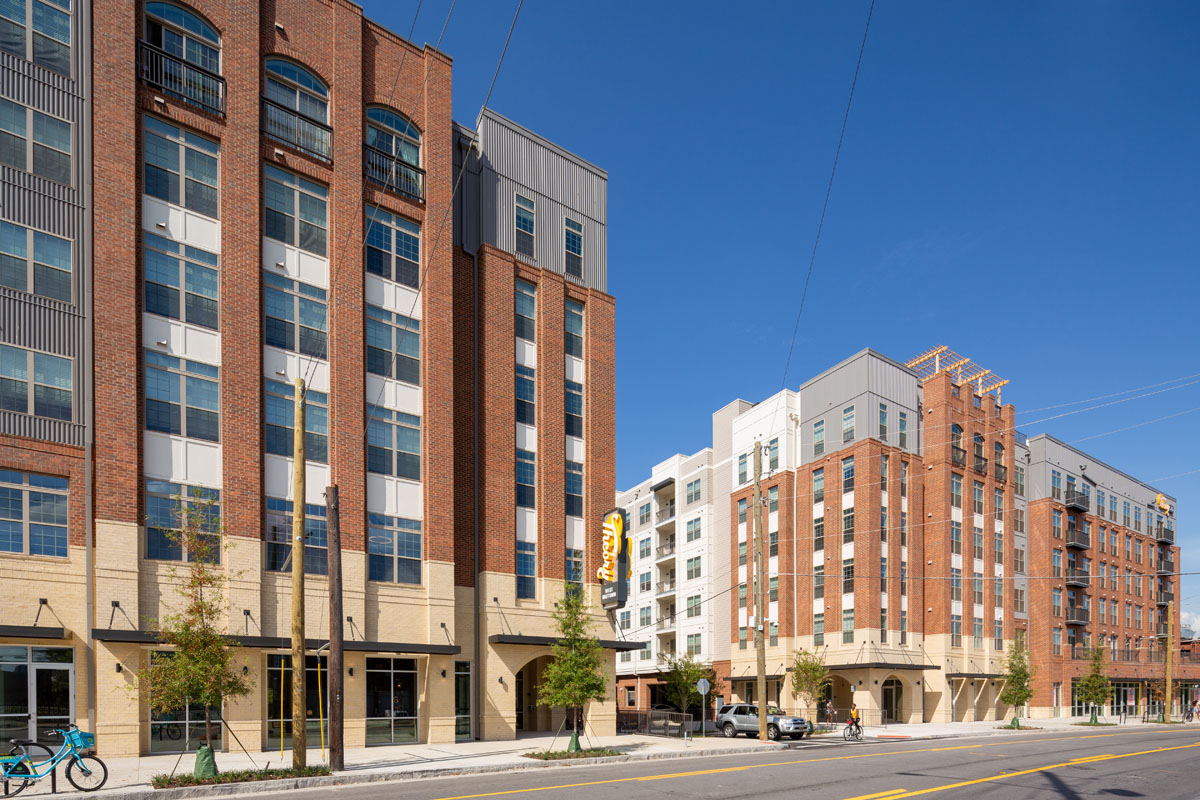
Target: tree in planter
810, 679
201, 666
1018, 681
575, 675
1095, 688
682, 675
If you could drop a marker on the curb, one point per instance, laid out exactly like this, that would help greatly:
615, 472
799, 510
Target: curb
353, 778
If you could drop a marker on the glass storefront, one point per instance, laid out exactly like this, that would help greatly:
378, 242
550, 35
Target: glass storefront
182, 730
393, 700
37, 691
279, 699
462, 700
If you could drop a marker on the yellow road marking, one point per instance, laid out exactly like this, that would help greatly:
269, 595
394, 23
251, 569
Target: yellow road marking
888, 793
1005, 776
869, 754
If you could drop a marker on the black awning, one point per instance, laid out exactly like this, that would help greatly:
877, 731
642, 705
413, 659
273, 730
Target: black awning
662, 484
975, 675
879, 665
549, 641
280, 643
732, 678
31, 632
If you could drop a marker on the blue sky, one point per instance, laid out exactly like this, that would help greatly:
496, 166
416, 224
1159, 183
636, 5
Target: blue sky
1018, 181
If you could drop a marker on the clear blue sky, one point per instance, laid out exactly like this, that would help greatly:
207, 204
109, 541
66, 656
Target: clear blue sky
1018, 181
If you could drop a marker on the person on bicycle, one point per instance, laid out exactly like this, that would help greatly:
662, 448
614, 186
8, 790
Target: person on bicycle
854, 716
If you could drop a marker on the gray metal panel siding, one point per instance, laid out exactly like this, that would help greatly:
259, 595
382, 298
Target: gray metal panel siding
47, 430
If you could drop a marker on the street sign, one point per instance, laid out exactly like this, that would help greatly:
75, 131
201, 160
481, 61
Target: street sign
702, 686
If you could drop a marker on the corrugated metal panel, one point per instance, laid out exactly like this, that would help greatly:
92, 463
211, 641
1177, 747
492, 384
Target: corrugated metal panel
892, 383
49, 430
39, 324
30, 85
29, 200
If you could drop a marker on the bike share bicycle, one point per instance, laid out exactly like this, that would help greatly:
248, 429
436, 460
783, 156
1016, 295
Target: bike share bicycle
85, 772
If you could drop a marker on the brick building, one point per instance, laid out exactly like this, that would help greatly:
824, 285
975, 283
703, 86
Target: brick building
276, 201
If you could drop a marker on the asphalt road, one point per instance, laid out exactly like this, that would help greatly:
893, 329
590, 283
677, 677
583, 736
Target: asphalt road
1153, 763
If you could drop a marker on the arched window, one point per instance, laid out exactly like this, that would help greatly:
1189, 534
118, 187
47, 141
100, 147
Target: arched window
296, 108
956, 433
998, 451
394, 153
978, 446
181, 55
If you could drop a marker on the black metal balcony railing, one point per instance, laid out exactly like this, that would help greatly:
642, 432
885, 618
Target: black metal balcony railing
1000, 471
308, 136
1166, 567
1078, 577
981, 465
1160, 629
1078, 538
665, 513
1077, 500
1078, 615
1124, 656
1165, 597
958, 456
178, 78
1164, 534
394, 174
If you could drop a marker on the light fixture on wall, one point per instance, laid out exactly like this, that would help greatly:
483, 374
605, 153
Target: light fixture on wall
119, 668
352, 672
443, 673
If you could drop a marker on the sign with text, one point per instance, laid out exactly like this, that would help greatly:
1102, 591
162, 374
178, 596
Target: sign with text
615, 566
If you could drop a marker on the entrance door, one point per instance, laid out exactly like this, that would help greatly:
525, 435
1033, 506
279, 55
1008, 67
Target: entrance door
892, 694
37, 691
521, 700
53, 692
14, 693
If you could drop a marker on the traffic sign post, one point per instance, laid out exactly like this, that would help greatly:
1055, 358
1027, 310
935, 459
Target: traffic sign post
702, 686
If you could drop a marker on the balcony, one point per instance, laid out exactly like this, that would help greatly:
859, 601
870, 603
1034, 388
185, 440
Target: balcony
665, 587
1077, 500
981, 465
666, 623
958, 456
1162, 598
664, 658
394, 174
1124, 656
665, 514
1078, 577
1079, 615
1164, 534
1166, 567
174, 76
1160, 629
1000, 472
1078, 538
664, 550
308, 136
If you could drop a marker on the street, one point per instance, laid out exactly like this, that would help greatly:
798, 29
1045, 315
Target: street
1090, 763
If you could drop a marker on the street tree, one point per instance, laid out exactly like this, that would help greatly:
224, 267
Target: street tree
1095, 688
199, 669
810, 678
1018, 681
682, 675
575, 675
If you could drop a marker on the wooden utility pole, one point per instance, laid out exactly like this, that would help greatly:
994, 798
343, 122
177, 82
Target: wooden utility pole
760, 595
1167, 690
299, 484
337, 753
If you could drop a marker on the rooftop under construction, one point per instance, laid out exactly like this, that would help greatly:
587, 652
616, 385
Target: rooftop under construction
961, 369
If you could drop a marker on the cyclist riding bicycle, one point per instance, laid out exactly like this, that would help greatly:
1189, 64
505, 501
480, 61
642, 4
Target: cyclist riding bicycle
855, 718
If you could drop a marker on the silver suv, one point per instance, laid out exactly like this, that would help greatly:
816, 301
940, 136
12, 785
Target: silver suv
738, 718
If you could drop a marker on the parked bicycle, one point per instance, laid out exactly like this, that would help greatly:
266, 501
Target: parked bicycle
85, 772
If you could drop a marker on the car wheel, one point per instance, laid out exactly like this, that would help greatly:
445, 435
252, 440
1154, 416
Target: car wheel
729, 731
772, 733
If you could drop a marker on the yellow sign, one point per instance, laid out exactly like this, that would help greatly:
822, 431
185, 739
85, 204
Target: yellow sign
614, 540
1163, 505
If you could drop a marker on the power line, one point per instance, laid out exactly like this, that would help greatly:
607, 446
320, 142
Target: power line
1106, 396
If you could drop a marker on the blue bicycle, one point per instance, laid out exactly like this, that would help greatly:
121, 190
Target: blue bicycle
85, 772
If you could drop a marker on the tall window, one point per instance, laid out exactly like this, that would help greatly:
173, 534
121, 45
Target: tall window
743, 471
49, 392
526, 479
693, 491
883, 426
848, 626
296, 108
573, 340
848, 424
998, 504
526, 395
819, 533
818, 485
279, 537
47, 273
394, 549
574, 482
818, 581
773, 589
296, 315
847, 525
526, 325
573, 568
181, 55
978, 497
819, 437
904, 479
182, 397
741, 553
33, 514
903, 528
573, 404
741, 511
181, 281
693, 529
573, 247
956, 537
818, 630
393, 345
693, 605
1056, 484
50, 22
956, 482
955, 583
35, 142
295, 210
393, 247
693, 644
524, 212
956, 630
167, 510
772, 498
281, 421
393, 153
1018, 479
526, 570
848, 474
773, 455
903, 429
848, 576
180, 167
693, 568
393, 443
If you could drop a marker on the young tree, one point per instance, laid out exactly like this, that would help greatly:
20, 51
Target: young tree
1018, 681
1095, 688
575, 675
810, 678
200, 668
682, 675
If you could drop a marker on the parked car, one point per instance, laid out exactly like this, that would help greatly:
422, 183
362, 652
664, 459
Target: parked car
738, 718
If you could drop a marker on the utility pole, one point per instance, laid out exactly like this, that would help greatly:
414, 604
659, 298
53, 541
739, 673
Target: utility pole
1167, 690
760, 595
337, 753
299, 484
